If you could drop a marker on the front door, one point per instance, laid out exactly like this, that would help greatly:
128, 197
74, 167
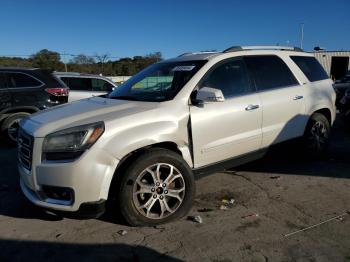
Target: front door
224, 130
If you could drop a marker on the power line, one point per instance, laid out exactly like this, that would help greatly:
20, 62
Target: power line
63, 54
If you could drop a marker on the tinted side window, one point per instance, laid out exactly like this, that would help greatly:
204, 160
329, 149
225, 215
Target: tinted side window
2, 81
230, 77
101, 85
21, 80
270, 72
77, 83
310, 67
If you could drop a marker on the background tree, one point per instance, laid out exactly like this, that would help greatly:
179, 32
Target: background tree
82, 59
47, 59
99, 64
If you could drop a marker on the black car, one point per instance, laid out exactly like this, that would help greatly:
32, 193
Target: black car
344, 105
24, 91
340, 87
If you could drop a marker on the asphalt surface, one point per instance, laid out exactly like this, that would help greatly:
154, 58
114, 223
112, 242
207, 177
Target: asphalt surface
277, 195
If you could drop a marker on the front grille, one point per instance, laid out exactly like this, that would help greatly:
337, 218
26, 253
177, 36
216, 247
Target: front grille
25, 149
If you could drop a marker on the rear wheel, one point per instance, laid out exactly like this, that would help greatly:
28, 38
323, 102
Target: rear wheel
317, 135
158, 187
10, 126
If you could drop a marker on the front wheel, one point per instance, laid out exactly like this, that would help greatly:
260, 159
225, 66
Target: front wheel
317, 135
158, 187
10, 126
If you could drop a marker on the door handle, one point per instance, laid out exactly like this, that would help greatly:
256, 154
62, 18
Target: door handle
298, 97
251, 107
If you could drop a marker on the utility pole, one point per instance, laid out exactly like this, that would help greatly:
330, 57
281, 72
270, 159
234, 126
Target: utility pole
302, 35
64, 60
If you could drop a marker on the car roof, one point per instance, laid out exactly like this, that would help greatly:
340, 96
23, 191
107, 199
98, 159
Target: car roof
75, 74
246, 49
13, 68
79, 74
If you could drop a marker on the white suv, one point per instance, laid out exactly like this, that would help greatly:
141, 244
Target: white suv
143, 145
85, 85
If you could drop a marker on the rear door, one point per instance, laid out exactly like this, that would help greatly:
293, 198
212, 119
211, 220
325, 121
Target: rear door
282, 98
224, 130
5, 96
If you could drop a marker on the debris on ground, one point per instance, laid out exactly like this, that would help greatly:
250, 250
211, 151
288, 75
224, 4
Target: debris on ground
122, 232
230, 201
196, 219
251, 215
226, 203
204, 210
340, 217
159, 228
223, 207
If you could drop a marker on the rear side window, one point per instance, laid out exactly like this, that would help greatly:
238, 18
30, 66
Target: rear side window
77, 83
101, 85
2, 81
230, 77
270, 72
310, 67
17, 80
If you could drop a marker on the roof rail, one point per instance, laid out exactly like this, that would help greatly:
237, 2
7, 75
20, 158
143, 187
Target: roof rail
241, 48
197, 53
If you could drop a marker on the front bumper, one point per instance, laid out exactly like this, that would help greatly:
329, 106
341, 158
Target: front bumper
88, 177
86, 210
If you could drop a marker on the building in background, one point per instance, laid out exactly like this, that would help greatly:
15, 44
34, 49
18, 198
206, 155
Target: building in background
336, 63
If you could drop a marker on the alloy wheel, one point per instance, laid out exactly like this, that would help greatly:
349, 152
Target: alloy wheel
158, 191
12, 130
318, 135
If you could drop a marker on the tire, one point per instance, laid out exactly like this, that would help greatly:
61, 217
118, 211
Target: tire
9, 127
144, 202
317, 136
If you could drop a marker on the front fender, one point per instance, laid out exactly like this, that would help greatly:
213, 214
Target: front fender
148, 134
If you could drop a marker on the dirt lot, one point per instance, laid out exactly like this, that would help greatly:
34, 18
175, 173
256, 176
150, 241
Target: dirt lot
286, 192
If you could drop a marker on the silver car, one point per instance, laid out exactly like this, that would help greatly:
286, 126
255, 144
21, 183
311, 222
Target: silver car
85, 85
142, 146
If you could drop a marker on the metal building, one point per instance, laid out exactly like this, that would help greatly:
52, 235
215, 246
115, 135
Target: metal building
336, 63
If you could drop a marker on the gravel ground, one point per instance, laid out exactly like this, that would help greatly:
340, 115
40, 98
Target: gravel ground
274, 196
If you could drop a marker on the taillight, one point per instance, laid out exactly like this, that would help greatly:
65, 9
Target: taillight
58, 91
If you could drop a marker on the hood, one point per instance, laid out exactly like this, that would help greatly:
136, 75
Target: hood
81, 112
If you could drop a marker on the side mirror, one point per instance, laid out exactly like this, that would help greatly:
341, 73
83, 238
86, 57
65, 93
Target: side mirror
208, 94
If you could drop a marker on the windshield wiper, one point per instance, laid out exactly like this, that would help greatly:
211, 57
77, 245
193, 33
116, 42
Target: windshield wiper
124, 98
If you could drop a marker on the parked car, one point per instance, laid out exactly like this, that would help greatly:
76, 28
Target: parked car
143, 144
85, 85
340, 86
24, 91
344, 105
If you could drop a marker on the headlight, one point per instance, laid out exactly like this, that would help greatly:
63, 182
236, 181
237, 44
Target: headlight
72, 142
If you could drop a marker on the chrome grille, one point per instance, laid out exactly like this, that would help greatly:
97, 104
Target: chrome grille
25, 149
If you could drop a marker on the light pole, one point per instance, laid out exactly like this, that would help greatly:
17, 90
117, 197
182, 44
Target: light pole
302, 35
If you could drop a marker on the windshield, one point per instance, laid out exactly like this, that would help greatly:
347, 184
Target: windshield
158, 82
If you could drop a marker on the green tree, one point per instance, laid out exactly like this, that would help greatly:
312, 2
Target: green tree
48, 60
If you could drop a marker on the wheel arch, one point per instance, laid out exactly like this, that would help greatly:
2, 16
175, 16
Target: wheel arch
131, 156
326, 112
13, 110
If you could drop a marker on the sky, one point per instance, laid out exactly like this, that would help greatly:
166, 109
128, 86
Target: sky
130, 28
